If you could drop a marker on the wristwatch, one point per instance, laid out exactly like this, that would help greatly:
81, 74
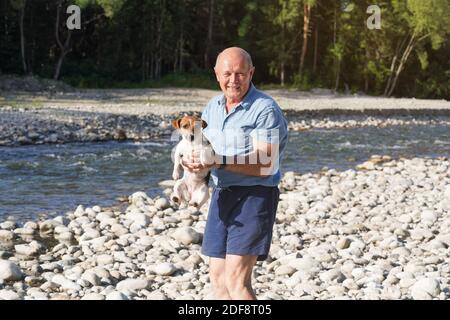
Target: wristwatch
224, 162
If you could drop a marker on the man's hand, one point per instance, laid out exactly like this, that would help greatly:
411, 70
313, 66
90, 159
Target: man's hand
191, 162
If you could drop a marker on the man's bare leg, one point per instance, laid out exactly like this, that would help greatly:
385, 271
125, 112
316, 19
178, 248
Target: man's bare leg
217, 278
238, 276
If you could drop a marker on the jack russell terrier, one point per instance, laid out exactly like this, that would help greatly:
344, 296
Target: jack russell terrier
192, 188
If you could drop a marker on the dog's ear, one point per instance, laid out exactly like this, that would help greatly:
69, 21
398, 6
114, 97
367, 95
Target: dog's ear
176, 123
204, 124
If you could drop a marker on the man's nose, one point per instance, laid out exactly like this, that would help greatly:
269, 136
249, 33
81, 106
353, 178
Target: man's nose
233, 77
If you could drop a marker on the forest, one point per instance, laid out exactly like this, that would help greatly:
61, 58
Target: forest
295, 44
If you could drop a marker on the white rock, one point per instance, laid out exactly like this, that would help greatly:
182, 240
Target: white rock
187, 236
138, 218
6, 235
65, 283
343, 243
156, 295
284, 270
90, 234
91, 277
26, 250
332, 275
132, 285
162, 203
428, 216
116, 295
93, 296
306, 264
425, 288
165, 269
8, 295
9, 271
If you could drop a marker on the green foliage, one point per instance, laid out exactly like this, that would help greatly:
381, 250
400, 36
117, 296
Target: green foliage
423, 58
430, 17
150, 43
17, 4
181, 80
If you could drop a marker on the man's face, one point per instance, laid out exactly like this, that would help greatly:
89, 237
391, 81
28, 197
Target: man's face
234, 76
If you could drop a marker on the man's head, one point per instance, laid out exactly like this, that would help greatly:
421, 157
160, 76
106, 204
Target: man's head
234, 71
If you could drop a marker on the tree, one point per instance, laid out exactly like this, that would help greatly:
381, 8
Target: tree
110, 7
19, 5
307, 5
426, 21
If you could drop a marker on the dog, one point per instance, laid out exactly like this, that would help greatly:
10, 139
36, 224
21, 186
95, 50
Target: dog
192, 188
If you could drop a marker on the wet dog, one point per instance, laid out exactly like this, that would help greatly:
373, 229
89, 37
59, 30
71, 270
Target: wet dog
192, 187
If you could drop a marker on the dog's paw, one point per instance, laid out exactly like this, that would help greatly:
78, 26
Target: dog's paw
175, 199
176, 175
194, 204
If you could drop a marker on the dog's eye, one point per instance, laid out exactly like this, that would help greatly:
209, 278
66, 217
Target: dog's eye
185, 126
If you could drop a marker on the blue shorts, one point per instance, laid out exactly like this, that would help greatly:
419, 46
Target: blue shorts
240, 221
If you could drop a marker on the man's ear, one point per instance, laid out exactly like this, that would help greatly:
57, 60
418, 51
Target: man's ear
176, 123
217, 75
252, 72
204, 124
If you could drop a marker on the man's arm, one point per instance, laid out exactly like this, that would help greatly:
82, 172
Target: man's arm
262, 162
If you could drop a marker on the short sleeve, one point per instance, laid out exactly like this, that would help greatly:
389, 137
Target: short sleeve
270, 126
205, 114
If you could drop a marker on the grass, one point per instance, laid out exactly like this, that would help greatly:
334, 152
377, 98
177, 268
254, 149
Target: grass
22, 104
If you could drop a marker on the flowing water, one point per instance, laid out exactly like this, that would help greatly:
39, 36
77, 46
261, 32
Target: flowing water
54, 179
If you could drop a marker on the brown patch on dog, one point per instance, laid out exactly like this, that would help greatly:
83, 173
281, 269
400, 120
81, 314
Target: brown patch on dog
187, 123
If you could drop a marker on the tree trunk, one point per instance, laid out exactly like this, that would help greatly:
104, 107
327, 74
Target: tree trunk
316, 47
391, 73
180, 61
366, 73
338, 72
306, 19
158, 46
393, 64
65, 49
403, 60
22, 37
210, 30
337, 62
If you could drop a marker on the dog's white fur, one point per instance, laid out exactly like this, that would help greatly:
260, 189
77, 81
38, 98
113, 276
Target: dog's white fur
192, 187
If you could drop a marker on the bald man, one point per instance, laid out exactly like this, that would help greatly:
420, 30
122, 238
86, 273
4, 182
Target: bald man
248, 132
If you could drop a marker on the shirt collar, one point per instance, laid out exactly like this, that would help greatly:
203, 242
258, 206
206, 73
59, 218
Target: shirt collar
246, 102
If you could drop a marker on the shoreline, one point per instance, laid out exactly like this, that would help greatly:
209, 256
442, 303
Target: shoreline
34, 126
353, 234
93, 115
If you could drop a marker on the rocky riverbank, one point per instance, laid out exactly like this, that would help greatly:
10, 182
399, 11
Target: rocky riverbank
25, 126
378, 232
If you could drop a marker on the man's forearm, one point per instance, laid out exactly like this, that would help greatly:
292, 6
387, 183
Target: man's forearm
250, 165
255, 170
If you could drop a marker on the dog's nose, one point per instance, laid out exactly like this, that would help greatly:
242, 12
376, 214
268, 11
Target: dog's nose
192, 137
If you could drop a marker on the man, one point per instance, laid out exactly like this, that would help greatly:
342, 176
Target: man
248, 131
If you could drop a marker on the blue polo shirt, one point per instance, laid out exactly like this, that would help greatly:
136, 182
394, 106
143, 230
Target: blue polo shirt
258, 117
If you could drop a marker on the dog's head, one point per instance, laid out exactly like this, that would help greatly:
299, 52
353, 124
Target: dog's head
190, 127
